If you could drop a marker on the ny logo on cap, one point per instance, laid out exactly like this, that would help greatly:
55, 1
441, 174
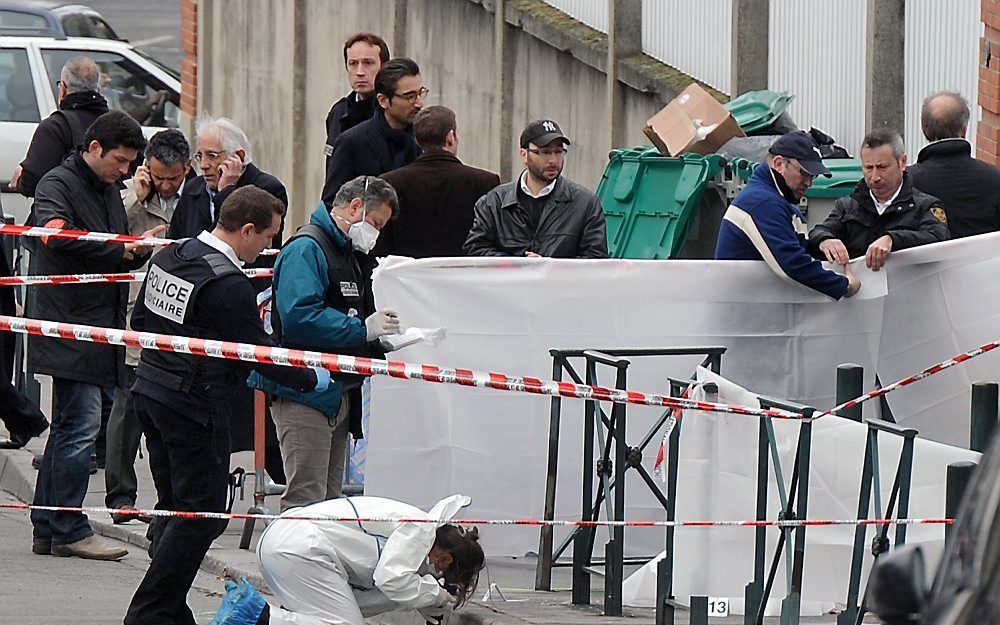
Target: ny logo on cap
816, 150
549, 126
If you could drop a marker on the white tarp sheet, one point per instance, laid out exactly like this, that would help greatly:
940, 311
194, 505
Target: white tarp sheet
428, 440
719, 482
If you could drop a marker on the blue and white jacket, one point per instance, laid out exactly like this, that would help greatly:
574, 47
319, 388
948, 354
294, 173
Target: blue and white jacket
761, 224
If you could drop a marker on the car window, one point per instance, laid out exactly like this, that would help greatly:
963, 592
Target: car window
126, 86
100, 29
16, 19
76, 26
18, 102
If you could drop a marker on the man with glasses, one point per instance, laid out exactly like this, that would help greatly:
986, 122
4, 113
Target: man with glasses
384, 142
542, 213
224, 156
763, 222
885, 213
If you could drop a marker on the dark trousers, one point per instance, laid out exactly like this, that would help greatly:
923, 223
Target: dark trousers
124, 434
64, 474
190, 466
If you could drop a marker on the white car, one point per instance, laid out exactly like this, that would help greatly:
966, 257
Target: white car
29, 69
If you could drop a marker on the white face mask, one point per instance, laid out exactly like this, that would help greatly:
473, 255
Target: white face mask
363, 236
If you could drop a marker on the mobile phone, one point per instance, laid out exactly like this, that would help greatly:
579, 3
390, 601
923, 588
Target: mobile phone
152, 187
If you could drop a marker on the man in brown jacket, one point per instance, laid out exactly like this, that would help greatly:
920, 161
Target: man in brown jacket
436, 193
149, 198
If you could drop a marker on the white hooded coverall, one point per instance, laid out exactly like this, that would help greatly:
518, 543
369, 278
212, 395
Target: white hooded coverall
314, 567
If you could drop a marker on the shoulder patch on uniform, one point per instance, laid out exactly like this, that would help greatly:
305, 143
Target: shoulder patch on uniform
939, 214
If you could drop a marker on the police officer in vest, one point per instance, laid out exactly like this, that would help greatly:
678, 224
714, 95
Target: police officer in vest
322, 301
196, 288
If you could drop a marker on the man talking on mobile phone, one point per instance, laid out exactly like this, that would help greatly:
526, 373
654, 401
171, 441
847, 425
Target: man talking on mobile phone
224, 157
150, 198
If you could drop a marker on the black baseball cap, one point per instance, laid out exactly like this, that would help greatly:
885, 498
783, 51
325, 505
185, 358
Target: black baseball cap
542, 132
800, 146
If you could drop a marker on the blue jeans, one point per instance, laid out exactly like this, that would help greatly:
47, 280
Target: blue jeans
65, 470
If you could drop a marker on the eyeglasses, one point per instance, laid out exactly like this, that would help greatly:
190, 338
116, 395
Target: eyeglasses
210, 156
547, 152
803, 172
411, 96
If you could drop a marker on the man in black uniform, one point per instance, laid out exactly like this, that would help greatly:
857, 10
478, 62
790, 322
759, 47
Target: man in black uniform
196, 288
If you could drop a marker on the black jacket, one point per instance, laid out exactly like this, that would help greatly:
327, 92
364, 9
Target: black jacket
437, 194
968, 187
71, 196
54, 137
222, 306
369, 149
914, 218
194, 209
346, 113
571, 224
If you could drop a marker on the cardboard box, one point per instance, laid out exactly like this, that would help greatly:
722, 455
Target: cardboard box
694, 121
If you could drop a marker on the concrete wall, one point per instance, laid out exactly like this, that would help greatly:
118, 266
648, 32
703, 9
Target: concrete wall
276, 67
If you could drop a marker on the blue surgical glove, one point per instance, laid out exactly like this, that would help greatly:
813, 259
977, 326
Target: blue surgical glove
322, 378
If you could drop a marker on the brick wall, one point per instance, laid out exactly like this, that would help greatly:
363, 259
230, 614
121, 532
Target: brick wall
988, 135
189, 65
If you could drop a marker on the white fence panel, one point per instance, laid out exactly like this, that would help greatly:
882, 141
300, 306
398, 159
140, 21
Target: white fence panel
942, 53
693, 37
593, 13
817, 51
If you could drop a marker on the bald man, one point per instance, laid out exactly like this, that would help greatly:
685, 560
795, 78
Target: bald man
968, 187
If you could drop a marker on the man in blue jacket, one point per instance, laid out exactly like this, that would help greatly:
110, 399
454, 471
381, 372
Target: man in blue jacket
323, 302
763, 222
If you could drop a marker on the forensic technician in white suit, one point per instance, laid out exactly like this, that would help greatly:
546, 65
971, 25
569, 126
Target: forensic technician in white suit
340, 572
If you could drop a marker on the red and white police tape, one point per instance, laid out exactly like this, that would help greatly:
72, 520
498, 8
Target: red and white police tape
89, 278
87, 235
367, 366
929, 371
533, 522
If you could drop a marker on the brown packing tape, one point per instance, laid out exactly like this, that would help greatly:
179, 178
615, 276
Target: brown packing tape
675, 128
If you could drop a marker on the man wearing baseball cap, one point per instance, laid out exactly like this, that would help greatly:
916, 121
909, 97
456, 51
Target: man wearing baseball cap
542, 213
763, 222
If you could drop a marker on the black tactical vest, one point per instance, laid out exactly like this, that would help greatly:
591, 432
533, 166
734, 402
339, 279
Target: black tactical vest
176, 276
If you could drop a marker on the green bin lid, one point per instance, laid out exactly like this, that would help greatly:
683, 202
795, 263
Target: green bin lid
846, 174
755, 110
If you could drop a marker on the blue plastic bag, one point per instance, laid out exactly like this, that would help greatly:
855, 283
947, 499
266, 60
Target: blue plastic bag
242, 604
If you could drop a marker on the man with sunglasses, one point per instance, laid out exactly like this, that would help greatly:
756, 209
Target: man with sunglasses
542, 213
385, 142
764, 223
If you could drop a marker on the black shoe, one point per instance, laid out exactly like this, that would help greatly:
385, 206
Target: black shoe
93, 465
36, 462
41, 547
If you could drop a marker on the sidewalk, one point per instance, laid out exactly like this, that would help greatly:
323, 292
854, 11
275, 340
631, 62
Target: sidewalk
518, 605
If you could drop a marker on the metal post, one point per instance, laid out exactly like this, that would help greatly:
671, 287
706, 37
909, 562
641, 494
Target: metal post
543, 569
753, 593
791, 605
984, 414
615, 550
699, 610
959, 475
850, 612
850, 385
584, 536
260, 480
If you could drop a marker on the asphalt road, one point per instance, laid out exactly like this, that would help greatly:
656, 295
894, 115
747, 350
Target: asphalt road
47, 590
153, 27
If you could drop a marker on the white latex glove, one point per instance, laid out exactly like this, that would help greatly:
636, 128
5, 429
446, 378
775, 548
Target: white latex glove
382, 322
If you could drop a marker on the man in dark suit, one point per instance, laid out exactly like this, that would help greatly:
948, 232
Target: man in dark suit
224, 156
436, 193
384, 142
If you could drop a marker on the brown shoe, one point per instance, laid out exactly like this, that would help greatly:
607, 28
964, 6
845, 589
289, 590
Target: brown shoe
90, 548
